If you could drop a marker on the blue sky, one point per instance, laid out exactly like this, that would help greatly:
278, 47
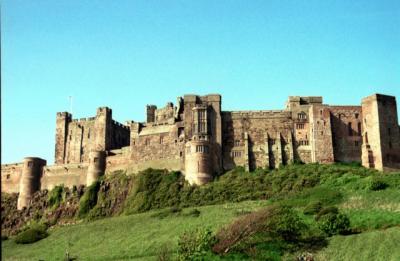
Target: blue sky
126, 54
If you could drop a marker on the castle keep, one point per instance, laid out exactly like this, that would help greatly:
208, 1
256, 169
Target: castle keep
195, 137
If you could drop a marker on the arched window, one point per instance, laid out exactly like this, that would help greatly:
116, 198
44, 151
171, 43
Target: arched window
302, 115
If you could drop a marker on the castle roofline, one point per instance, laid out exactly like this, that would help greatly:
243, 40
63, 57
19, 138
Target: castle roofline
378, 96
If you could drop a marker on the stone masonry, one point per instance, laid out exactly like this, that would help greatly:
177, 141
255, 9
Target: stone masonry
195, 137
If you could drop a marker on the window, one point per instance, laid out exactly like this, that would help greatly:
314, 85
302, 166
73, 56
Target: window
350, 129
356, 115
30, 164
237, 143
147, 142
359, 128
95, 159
320, 112
390, 144
161, 139
202, 149
236, 154
8, 176
389, 131
303, 142
356, 143
302, 115
300, 126
180, 153
88, 134
133, 142
181, 131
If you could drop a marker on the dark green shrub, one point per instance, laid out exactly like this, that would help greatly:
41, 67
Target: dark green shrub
4, 237
32, 234
325, 211
333, 224
284, 222
89, 199
193, 245
312, 208
377, 184
55, 196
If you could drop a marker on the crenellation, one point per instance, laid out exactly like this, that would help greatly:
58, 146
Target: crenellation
200, 140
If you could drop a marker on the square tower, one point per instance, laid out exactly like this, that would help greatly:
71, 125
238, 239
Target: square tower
381, 137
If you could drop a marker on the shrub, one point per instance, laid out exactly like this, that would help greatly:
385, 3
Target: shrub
333, 224
32, 234
275, 221
377, 184
240, 230
55, 196
312, 208
89, 199
193, 245
4, 237
325, 211
286, 223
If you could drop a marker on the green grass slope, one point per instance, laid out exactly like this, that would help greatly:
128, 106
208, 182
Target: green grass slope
134, 237
371, 201
375, 245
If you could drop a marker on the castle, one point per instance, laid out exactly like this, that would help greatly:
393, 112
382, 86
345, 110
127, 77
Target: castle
197, 138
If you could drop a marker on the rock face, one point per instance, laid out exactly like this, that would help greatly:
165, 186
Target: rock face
110, 201
199, 139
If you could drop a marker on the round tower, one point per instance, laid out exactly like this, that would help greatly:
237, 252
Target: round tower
30, 180
97, 166
198, 164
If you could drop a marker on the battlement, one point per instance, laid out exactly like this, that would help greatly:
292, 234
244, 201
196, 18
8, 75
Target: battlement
103, 110
64, 115
84, 119
118, 124
304, 100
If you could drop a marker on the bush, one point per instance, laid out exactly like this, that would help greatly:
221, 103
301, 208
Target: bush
333, 224
55, 196
32, 234
325, 211
275, 221
193, 245
89, 199
312, 208
377, 184
285, 223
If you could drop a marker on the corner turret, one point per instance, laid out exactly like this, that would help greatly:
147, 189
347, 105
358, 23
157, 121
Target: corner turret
30, 180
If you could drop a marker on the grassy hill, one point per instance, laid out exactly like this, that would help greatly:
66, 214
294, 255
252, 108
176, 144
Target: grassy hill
157, 210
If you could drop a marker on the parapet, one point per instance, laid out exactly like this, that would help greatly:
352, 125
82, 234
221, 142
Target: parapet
64, 114
304, 100
379, 97
103, 110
